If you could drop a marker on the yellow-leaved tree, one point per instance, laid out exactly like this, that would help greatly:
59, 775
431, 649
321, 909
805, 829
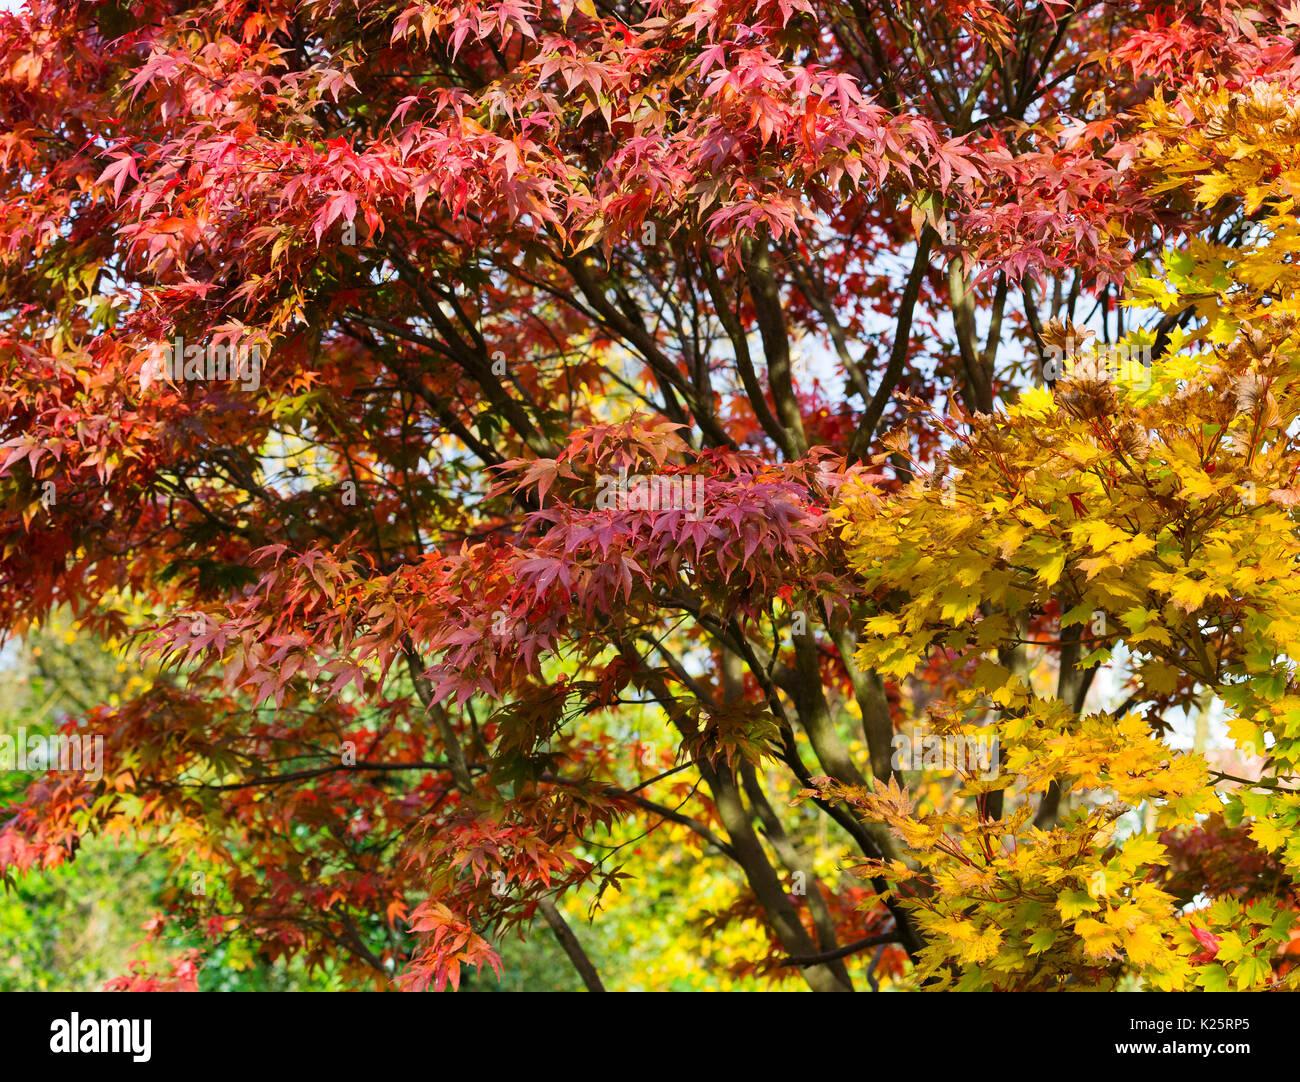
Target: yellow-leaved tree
1109, 557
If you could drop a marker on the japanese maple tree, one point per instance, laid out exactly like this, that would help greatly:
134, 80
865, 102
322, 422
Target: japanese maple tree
652, 409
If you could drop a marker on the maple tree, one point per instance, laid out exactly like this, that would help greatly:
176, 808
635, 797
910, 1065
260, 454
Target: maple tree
645, 424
